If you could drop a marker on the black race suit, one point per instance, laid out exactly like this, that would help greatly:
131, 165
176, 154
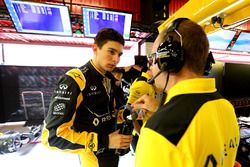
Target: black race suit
81, 115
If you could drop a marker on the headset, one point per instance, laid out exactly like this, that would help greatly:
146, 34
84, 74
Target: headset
170, 53
209, 64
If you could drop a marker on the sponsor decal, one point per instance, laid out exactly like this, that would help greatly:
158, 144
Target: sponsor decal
96, 122
62, 92
59, 109
76, 75
103, 119
91, 146
101, 150
93, 88
62, 98
63, 86
106, 118
94, 93
91, 143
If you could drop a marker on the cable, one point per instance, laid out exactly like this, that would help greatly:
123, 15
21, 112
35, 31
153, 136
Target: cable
151, 81
163, 93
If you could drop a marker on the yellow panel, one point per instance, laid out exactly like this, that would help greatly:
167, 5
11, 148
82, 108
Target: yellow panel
231, 18
201, 11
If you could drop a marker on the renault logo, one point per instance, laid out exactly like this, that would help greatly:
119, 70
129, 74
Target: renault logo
96, 121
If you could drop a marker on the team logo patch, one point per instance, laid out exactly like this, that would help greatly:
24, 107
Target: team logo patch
93, 91
59, 109
96, 122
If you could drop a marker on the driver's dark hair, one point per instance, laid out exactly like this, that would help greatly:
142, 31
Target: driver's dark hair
108, 34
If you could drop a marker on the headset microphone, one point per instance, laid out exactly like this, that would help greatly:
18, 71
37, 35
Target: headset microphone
151, 81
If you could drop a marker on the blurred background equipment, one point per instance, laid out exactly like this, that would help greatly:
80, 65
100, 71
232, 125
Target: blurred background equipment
12, 141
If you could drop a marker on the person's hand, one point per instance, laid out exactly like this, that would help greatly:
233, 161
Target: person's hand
119, 141
146, 103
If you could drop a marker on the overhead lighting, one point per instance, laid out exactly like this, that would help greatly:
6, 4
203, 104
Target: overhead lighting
221, 11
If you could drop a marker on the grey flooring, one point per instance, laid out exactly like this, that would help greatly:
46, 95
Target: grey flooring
36, 155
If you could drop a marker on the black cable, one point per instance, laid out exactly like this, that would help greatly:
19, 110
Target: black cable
163, 93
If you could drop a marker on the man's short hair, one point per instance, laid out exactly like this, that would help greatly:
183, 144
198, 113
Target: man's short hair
195, 45
108, 34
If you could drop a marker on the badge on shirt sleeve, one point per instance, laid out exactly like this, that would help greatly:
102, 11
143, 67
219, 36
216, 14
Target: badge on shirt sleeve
59, 108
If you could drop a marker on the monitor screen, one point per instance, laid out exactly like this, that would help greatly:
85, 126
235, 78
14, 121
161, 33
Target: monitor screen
220, 39
242, 43
236, 80
39, 18
95, 19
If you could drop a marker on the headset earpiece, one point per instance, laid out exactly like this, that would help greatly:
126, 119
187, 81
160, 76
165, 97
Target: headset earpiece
170, 52
170, 57
209, 64
175, 24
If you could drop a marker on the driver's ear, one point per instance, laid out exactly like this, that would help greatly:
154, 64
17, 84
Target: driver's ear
94, 48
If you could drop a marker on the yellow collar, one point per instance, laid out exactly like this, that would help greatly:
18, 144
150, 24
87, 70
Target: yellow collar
196, 85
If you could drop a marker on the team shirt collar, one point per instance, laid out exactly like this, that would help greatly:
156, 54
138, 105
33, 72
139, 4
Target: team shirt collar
196, 85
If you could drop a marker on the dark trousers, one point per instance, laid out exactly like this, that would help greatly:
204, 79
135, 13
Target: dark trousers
134, 142
108, 160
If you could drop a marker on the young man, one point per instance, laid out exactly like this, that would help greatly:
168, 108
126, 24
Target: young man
81, 117
195, 126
